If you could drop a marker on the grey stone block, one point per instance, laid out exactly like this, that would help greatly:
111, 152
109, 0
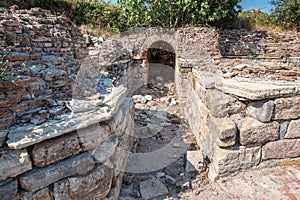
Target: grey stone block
254, 132
13, 162
261, 110
59, 148
95, 185
40, 178
8, 190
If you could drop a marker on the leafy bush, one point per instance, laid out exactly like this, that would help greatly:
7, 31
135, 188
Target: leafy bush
168, 13
286, 13
5, 65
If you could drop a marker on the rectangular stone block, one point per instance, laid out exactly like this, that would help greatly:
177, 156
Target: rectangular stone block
281, 149
221, 104
223, 131
95, 185
293, 130
8, 190
254, 132
287, 108
261, 110
256, 90
42, 194
228, 161
40, 178
13, 162
56, 149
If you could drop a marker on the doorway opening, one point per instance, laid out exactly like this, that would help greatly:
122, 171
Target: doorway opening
161, 58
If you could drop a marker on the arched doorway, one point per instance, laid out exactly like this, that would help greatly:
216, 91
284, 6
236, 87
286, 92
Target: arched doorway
161, 62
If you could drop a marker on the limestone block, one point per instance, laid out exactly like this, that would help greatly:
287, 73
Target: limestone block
95, 185
59, 148
13, 162
40, 178
287, 108
293, 130
281, 149
255, 132
8, 190
221, 104
194, 161
92, 136
255, 90
105, 150
261, 110
225, 131
42, 194
152, 188
228, 161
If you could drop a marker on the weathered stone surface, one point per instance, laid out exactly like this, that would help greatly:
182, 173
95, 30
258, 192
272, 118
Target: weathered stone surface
8, 190
152, 188
255, 132
40, 178
122, 151
293, 130
25, 136
3, 135
221, 104
194, 161
287, 108
283, 129
38, 195
227, 161
13, 162
95, 185
51, 151
256, 90
281, 149
261, 110
206, 79
225, 131
105, 150
92, 136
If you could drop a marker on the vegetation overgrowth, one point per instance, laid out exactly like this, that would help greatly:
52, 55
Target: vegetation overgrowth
129, 14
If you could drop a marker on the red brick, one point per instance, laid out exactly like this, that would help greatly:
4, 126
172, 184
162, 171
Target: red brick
16, 92
34, 103
7, 122
9, 102
35, 86
20, 108
281, 149
17, 84
4, 112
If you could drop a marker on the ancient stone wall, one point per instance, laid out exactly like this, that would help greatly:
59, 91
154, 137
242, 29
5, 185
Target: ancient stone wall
66, 123
66, 126
243, 122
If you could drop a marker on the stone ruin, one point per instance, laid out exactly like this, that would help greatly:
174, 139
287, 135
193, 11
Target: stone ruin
66, 116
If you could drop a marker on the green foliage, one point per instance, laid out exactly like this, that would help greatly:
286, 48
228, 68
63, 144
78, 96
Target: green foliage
286, 13
5, 65
253, 19
128, 14
168, 13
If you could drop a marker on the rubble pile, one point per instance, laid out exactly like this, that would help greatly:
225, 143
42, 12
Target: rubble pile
158, 120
